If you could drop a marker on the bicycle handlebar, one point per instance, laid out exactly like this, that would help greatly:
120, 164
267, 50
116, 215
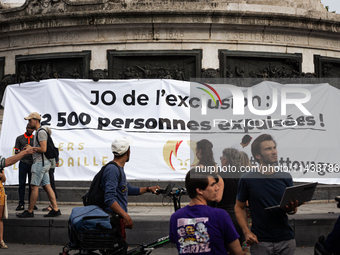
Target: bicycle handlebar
180, 191
159, 191
174, 195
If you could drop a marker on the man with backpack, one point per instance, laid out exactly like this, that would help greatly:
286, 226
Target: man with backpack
116, 188
40, 168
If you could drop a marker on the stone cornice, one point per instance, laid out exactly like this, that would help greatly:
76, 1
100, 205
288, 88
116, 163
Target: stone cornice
35, 14
53, 20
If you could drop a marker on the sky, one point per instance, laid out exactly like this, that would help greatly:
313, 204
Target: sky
334, 5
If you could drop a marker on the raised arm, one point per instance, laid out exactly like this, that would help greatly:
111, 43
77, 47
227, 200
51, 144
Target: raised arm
12, 160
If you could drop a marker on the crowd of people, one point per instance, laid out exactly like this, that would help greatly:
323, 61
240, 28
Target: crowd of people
217, 219
226, 212
35, 167
39, 170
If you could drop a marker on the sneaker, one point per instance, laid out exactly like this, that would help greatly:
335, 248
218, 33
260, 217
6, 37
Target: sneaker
53, 213
3, 245
20, 208
25, 214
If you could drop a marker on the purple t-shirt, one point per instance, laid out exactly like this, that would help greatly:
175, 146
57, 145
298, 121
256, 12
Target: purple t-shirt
201, 229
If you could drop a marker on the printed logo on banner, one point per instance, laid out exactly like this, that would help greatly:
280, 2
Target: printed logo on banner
179, 155
239, 100
204, 99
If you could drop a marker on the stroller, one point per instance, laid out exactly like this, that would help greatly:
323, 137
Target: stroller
91, 229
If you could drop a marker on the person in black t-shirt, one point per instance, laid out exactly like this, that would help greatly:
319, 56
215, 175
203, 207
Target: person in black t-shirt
231, 159
25, 165
262, 188
332, 243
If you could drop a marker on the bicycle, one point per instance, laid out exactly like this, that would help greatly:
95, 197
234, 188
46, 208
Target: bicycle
145, 249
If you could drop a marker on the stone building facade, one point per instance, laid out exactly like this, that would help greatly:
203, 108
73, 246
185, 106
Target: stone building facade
177, 39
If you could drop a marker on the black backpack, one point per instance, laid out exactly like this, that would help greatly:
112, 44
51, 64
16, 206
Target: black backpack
95, 195
51, 151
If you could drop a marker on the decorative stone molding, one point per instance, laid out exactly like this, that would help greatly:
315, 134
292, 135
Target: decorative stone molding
7, 79
98, 74
101, 25
55, 13
233, 4
35, 7
327, 67
74, 65
246, 64
210, 73
309, 75
154, 64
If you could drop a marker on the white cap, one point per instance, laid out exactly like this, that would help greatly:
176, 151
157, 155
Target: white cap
121, 145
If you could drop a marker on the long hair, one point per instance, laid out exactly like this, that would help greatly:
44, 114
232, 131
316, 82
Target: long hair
233, 157
207, 156
244, 159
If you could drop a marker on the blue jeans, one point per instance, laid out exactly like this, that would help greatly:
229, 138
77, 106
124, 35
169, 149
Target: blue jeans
24, 170
40, 173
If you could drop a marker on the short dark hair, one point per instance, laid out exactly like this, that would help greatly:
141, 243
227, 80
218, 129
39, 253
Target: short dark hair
256, 145
246, 139
119, 156
194, 180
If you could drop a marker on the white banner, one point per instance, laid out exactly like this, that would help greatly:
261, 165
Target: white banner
85, 116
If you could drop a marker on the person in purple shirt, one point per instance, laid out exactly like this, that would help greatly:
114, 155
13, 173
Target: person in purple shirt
201, 229
116, 188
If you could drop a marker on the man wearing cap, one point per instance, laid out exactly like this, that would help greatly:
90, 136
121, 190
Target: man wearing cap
40, 168
114, 182
25, 165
